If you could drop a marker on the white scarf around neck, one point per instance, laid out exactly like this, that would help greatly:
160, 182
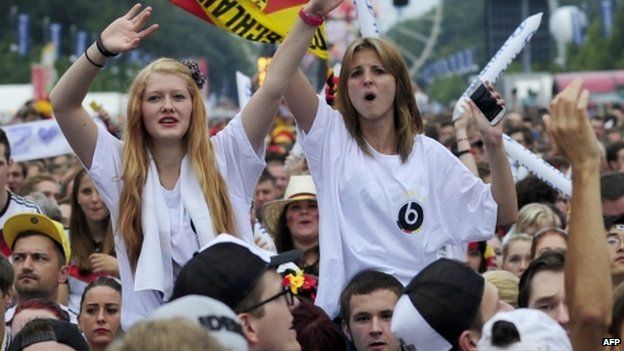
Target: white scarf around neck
154, 269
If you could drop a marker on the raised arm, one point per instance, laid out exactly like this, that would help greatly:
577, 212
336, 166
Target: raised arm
503, 187
283, 70
587, 274
462, 139
121, 35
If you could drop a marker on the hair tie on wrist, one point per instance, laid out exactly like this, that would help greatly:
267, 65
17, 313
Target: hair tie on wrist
313, 20
198, 77
463, 152
102, 49
92, 62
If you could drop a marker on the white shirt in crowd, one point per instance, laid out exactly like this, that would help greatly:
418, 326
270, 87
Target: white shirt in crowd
376, 212
239, 165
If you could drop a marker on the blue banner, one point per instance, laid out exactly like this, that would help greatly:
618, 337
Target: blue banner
23, 34
55, 38
81, 43
460, 62
579, 23
606, 12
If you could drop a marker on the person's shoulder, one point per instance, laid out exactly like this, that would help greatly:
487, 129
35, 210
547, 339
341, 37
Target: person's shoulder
19, 204
428, 143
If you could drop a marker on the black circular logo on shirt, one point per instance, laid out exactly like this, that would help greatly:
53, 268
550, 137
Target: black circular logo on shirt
410, 217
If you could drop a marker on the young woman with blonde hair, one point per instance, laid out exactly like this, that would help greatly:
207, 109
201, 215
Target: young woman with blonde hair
389, 197
165, 183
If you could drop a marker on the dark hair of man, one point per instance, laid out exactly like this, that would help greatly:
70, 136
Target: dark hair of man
274, 158
24, 167
29, 185
532, 189
315, 330
526, 133
266, 176
57, 247
431, 130
364, 283
7, 147
253, 298
549, 261
613, 149
6, 275
612, 186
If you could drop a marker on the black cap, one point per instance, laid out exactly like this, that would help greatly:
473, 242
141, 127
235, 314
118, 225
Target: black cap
62, 332
447, 294
227, 270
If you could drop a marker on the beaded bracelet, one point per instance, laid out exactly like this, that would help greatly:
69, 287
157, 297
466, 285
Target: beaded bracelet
102, 49
92, 62
311, 19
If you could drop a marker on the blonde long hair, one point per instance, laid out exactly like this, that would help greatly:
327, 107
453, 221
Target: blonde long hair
136, 164
407, 119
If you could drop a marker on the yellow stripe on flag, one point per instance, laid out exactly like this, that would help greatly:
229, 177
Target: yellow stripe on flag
245, 19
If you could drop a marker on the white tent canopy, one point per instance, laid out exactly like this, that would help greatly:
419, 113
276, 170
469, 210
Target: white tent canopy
13, 96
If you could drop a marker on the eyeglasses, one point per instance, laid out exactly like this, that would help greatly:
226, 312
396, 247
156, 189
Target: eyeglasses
614, 240
288, 295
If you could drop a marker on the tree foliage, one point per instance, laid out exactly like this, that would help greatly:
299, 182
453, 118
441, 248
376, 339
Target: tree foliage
181, 35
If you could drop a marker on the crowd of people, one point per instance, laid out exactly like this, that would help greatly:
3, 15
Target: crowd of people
376, 228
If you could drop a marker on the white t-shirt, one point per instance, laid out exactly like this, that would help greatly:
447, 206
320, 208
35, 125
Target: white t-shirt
239, 165
15, 205
376, 212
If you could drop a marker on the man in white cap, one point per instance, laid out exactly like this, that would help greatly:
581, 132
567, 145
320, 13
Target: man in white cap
212, 314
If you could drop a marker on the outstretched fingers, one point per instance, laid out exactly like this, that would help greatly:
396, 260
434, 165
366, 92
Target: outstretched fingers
141, 19
148, 31
133, 11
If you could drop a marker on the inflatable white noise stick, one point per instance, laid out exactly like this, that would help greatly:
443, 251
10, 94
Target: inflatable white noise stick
542, 169
368, 25
510, 49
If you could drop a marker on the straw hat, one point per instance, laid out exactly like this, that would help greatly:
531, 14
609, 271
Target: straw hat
300, 187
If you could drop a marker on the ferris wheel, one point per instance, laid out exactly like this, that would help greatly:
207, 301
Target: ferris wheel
421, 42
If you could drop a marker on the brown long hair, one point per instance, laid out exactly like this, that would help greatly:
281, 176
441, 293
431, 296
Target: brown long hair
407, 119
136, 164
80, 238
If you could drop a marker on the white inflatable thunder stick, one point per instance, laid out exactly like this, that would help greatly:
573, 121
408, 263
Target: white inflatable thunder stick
368, 25
243, 87
542, 169
510, 49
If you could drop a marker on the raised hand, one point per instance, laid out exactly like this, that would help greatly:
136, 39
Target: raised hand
489, 133
569, 128
466, 119
104, 264
322, 7
126, 32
